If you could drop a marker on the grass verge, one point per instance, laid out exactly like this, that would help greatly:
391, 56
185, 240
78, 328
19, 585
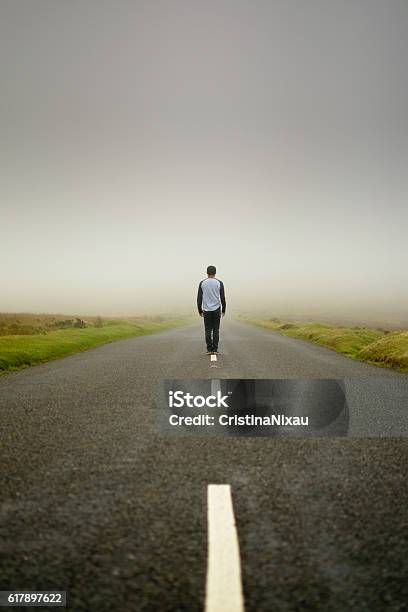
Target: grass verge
20, 351
376, 346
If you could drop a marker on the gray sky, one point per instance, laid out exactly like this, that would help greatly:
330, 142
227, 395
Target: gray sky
143, 140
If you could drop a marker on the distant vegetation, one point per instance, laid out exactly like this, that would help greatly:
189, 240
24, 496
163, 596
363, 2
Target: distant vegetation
28, 324
27, 339
377, 346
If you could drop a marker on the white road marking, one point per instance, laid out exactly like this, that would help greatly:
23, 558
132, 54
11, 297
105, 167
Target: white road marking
213, 361
224, 584
215, 386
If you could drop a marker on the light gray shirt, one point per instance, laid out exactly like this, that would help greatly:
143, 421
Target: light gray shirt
211, 295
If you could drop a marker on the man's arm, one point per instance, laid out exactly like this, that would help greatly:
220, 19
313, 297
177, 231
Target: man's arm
200, 299
222, 298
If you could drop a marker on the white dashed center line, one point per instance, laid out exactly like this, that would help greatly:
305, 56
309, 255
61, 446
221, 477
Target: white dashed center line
224, 584
215, 386
213, 361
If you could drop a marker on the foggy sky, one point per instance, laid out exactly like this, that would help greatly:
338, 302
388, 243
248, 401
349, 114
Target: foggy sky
143, 140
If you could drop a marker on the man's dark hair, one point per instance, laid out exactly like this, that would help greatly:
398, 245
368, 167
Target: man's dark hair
211, 270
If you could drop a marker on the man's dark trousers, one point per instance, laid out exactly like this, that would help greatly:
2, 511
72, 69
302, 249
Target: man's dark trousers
212, 328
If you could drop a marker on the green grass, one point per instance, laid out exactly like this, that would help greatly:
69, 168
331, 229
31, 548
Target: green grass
379, 347
391, 351
22, 350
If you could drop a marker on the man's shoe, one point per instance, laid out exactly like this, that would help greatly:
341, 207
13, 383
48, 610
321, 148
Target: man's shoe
209, 352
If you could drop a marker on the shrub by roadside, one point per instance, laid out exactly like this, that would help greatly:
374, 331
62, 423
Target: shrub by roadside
19, 351
377, 346
391, 351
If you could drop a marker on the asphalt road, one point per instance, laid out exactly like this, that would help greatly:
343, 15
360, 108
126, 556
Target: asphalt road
95, 501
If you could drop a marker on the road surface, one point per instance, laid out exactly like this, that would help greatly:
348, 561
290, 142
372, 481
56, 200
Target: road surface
95, 501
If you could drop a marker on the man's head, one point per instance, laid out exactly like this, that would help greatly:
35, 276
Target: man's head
211, 270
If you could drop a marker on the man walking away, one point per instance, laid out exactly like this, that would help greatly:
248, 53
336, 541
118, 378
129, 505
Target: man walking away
211, 303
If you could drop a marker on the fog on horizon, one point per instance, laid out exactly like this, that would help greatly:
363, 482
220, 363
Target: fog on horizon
142, 141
